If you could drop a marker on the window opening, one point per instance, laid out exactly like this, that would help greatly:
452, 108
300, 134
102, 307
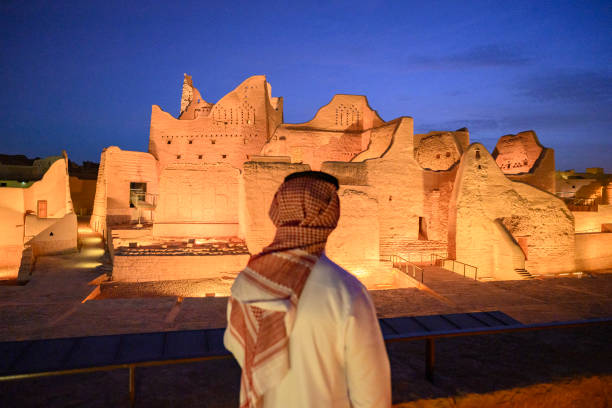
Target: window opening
138, 192
169, 141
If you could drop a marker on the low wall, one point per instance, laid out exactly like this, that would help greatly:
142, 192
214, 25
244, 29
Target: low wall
593, 251
143, 268
49, 236
591, 221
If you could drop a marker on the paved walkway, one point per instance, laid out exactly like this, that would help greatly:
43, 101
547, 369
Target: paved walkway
51, 304
529, 301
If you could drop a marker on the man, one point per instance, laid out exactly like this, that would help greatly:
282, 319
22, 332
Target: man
304, 330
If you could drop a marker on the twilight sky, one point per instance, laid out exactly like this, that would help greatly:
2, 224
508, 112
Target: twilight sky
82, 75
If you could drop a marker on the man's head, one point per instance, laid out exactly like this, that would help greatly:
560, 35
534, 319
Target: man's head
305, 210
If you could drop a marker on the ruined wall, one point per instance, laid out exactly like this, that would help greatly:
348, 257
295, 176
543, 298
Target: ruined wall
11, 231
593, 251
198, 201
313, 147
119, 168
438, 189
380, 139
48, 236
52, 188
592, 221
236, 128
259, 184
521, 157
399, 185
355, 242
339, 131
159, 268
437, 151
344, 113
484, 200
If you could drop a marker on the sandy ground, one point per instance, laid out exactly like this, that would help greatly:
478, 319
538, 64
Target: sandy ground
50, 306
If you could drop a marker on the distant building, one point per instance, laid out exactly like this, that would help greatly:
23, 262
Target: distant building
36, 213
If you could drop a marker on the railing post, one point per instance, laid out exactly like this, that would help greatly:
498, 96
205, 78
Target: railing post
475, 273
464, 270
430, 359
132, 385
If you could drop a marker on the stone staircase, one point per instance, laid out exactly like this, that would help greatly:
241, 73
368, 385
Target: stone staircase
524, 273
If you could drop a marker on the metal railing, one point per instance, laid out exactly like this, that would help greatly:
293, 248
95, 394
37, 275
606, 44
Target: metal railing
407, 267
425, 258
455, 266
429, 338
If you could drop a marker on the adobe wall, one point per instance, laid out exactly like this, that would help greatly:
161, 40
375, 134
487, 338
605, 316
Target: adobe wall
82, 192
11, 230
400, 188
143, 268
118, 168
379, 139
592, 221
198, 201
312, 146
343, 113
521, 157
593, 251
438, 189
53, 187
49, 236
438, 151
235, 129
484, 200
259, 184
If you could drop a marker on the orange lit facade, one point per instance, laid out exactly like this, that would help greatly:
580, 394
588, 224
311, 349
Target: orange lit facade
211, 173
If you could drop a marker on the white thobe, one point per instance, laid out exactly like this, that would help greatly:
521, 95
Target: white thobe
336, 350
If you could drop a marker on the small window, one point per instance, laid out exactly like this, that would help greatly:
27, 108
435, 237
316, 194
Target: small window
212, 142
178, 156
447, 154
191, 142
282, 138
200, 156
224, 156
138, 192
437, 156
2, 184
169, 141
478, 154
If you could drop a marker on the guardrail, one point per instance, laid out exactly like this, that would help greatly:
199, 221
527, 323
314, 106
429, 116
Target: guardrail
407, 267
453, 266
423, 257
429, 337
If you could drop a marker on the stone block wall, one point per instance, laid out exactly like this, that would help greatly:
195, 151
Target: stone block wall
144, 268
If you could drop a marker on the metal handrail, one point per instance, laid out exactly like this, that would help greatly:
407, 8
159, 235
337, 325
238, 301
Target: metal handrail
429, 338
436, 258
407, 267
422, 257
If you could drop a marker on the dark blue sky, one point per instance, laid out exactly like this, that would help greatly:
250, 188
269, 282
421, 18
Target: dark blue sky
82, 75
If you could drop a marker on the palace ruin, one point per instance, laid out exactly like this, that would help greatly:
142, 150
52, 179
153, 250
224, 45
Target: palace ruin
195, 205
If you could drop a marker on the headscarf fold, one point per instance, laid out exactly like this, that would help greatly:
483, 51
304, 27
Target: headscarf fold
263, 305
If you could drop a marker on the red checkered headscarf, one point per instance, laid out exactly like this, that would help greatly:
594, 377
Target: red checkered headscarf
263, 305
